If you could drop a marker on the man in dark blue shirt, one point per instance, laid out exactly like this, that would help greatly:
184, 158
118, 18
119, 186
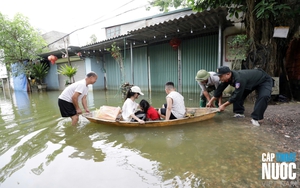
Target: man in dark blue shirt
245, 81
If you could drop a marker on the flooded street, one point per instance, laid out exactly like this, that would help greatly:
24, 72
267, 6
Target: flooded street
38, 148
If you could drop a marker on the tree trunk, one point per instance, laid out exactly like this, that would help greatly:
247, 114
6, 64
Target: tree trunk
264, 52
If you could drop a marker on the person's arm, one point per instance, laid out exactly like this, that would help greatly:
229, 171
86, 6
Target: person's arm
217, 83
204, 91
220, 101
137, 119
217, 94
84, 104
211, 102
237, 94
169, 108
223, 106
206, 94
75, 102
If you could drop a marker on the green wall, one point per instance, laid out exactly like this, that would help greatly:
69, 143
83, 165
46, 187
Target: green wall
158, 64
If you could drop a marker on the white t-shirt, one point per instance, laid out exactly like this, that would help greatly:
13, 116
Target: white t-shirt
79, 86
212, 80
129, 107
178, 107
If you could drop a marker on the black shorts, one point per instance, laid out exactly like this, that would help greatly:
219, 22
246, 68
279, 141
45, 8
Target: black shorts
164, 110
67, 109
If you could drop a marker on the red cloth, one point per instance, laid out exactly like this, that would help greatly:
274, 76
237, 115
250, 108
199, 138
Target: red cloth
152, 114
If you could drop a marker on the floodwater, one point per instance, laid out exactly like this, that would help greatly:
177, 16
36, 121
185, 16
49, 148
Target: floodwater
38, 148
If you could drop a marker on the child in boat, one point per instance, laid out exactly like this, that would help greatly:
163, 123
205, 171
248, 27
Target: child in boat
130, 106
152, 114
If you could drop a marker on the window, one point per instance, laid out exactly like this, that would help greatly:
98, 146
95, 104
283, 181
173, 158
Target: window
112, 32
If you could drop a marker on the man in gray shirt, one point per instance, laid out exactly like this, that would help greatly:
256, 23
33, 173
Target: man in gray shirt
208, 82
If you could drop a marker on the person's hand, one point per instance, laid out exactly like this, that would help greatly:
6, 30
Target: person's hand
209, 104
87, 111
79, 111
141, 121
222, 108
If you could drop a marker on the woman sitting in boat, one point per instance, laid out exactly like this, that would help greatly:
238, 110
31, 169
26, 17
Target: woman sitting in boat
130, 106
152, 114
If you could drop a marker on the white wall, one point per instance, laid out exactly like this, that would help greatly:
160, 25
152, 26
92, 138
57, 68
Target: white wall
3, 71
236, 29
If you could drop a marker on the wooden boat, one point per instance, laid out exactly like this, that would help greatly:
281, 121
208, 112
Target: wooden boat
193, 115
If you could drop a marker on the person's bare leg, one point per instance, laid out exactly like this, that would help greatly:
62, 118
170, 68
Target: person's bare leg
75, 119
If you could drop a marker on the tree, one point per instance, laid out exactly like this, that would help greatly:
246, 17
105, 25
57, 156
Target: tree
117, 55
93, 38
21, 44
260, 18
238, 47
164, 5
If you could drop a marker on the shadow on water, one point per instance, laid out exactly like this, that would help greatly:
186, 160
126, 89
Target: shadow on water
36, 144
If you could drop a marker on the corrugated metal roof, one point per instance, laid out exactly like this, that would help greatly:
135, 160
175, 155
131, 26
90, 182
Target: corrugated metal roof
188, 26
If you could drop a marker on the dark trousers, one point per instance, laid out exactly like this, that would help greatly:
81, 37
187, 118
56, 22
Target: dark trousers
264, 91
163, 111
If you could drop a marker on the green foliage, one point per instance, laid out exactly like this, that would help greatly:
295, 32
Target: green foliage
19, 40
21, 68
115, 52
93, 38
234, 6
67, 70
164, 5
239, 46
263, 8
40, 71
267, 8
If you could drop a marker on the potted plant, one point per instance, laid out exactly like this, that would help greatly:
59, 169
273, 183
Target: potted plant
69, 71
39, 72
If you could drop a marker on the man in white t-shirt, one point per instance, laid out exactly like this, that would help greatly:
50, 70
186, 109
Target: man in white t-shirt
69, 99
208, 82
174, 108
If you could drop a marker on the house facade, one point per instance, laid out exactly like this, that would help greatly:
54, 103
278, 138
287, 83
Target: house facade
170, 46
150, 56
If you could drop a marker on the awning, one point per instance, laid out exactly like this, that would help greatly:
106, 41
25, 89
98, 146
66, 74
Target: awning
189, 26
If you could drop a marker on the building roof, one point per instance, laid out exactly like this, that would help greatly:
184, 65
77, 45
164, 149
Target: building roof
188, 26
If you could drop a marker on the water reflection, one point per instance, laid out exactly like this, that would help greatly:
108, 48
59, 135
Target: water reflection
36, 144
179, 160
22, 103
6, 110
80, 139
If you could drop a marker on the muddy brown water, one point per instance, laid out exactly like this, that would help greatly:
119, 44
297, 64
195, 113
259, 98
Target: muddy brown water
38, 148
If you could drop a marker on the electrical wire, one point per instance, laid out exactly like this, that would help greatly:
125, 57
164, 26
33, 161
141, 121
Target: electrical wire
98, 21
